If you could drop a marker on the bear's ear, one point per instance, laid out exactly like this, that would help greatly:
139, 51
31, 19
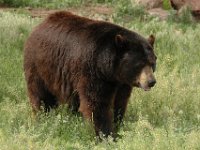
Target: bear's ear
120, 40
151, 39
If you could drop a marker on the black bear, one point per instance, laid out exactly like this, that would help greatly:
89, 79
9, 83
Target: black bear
90, 65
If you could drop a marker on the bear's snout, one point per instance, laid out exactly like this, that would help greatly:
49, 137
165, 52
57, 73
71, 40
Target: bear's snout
146, 78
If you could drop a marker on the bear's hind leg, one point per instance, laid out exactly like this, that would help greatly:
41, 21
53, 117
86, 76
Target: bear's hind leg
38, 93
35, 91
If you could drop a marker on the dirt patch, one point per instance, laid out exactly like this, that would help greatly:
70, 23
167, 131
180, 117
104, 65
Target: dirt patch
159, 12
100, 12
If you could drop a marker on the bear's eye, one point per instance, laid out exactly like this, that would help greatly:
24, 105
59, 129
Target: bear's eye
140, 64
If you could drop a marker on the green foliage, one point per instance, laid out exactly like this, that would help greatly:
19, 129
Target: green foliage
166, 4
51, 3
43, 3
127, 10
16, 3
167, 117
103, 1
183, 17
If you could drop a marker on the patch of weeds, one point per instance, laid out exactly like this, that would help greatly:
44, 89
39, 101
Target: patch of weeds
53, 3
127, 10
166, 4
183, 17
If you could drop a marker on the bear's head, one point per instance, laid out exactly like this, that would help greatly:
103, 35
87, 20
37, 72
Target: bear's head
137, 61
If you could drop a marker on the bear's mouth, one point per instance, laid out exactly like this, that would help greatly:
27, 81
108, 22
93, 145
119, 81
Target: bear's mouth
145, 88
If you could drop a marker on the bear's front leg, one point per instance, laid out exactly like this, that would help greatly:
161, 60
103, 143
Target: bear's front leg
120, 103
102, 118
96, 98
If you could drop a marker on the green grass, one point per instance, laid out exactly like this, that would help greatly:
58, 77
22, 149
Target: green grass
166, 4
167, 117
53, 3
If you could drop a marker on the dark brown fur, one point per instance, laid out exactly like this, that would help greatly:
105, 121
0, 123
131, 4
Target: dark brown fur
91, 65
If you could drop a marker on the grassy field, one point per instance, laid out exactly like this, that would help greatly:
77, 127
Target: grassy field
167, 117
53, 3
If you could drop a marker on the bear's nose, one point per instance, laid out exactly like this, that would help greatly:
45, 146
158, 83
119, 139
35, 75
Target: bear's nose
151, 83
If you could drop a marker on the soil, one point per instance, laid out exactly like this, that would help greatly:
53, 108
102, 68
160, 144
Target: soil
159, 12
100, 12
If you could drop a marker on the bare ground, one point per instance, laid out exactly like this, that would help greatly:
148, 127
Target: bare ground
100, 12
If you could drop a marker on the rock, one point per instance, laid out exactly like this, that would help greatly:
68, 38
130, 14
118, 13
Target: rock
149, 4
194, 5
177, 4
154, 7
196, 14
